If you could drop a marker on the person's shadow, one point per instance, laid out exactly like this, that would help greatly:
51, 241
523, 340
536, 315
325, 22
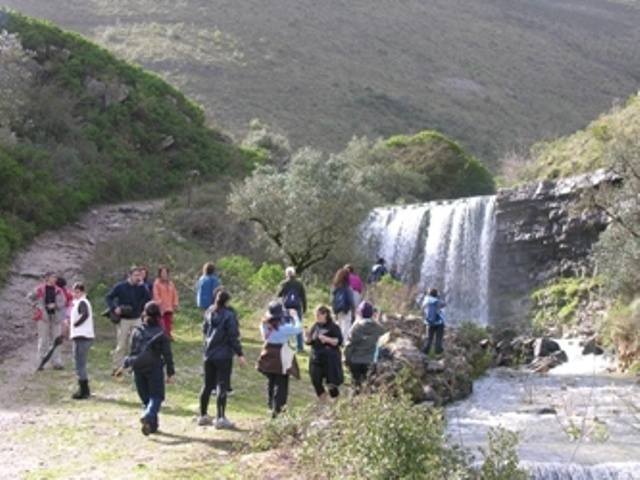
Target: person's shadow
172, 439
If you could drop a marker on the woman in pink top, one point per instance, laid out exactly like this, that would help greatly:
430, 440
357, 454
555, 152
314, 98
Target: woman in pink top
355, 283
166, 295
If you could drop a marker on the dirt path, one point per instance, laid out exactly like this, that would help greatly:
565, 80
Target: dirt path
63, 251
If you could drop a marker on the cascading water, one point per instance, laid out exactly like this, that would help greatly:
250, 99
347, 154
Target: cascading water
446, 245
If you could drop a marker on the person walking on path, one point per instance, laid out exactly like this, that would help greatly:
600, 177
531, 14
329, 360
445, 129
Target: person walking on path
82, 334
221, 343
49, 302
206, 285
277, 361
126, 300
325, 360
355, 283
361, 345
149, 354
434, 320
342, 301
294, 296
165, 294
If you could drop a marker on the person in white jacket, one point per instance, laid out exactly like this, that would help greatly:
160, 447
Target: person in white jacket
82, 334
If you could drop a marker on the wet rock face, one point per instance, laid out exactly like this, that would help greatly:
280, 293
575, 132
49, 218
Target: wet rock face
542, 232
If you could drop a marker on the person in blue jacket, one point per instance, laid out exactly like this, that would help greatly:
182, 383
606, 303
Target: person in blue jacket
205, 286
434, 320
221, 343
277, 360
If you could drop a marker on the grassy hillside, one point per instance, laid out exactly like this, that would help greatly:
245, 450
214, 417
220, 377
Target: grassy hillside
93, 128
587, 149
493, 75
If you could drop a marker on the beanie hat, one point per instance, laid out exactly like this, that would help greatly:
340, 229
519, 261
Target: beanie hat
365, 309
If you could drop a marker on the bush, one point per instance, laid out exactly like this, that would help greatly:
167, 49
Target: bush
236, 272
392, 296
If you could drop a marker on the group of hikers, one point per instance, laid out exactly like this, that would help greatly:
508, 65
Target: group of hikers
142, 311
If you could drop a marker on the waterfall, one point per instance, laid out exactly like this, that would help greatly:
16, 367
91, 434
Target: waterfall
445, 245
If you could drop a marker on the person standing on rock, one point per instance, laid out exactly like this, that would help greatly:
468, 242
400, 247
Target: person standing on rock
126, 300
49, 302
434, 320
165, 294
355, 282
342, 301
82, 335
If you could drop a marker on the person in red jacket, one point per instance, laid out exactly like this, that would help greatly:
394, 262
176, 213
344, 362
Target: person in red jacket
165, 294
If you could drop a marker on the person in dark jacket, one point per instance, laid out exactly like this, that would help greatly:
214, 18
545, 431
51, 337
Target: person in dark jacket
221, 343
362, 343
325, 361
294, 296
127, 300
149, 377
277, 361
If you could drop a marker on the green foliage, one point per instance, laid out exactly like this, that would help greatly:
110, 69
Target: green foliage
449, 171
469, 336
380, 437
236, 272
92, 128
556, 305
392, 296
500, 457
267, 278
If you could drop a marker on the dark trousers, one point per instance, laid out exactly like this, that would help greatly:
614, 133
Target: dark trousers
277, 391
150, 387
217, 374
318, 374
436, 332
358, 374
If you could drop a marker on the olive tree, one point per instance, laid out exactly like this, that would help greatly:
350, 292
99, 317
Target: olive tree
307, 210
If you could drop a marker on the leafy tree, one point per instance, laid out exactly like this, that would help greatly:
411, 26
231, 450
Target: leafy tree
15, 83
307, 210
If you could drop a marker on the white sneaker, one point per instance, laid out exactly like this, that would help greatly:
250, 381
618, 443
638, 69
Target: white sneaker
205, 420
223, 423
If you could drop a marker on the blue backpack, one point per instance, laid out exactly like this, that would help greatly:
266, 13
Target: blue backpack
341, 301
291, 299
434, 315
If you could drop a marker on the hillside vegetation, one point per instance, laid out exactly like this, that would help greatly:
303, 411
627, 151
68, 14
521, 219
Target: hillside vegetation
494, 76
88, 128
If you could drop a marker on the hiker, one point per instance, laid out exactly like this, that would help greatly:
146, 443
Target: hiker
126, 301
277, 361
82, 334
145, 280
294, 297
361, 344
378, 271
342, 301
205, 286
149, 354
434, 320
221, 342
325, 361
355, 283
165, 294
48, 301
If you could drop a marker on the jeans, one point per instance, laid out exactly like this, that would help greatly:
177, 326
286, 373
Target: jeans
80, 351
150, 388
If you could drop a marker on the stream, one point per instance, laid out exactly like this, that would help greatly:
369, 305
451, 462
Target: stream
575, 422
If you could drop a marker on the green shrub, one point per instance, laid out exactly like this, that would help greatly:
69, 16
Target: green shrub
267, 278
236, 272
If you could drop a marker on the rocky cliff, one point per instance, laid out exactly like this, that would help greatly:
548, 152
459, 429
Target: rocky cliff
543, 231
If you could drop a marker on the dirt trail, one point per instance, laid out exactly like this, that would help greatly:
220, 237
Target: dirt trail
63, 251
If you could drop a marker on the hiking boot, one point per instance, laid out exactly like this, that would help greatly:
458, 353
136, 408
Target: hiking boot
146, 426
223, 423
205, 420
83, 390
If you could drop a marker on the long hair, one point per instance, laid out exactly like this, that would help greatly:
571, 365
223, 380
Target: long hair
222, 297
341, 278
326, 311
152, 314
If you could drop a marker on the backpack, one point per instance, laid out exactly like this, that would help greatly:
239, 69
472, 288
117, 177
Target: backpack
434, 316
341, 301
148, 358
291, 299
